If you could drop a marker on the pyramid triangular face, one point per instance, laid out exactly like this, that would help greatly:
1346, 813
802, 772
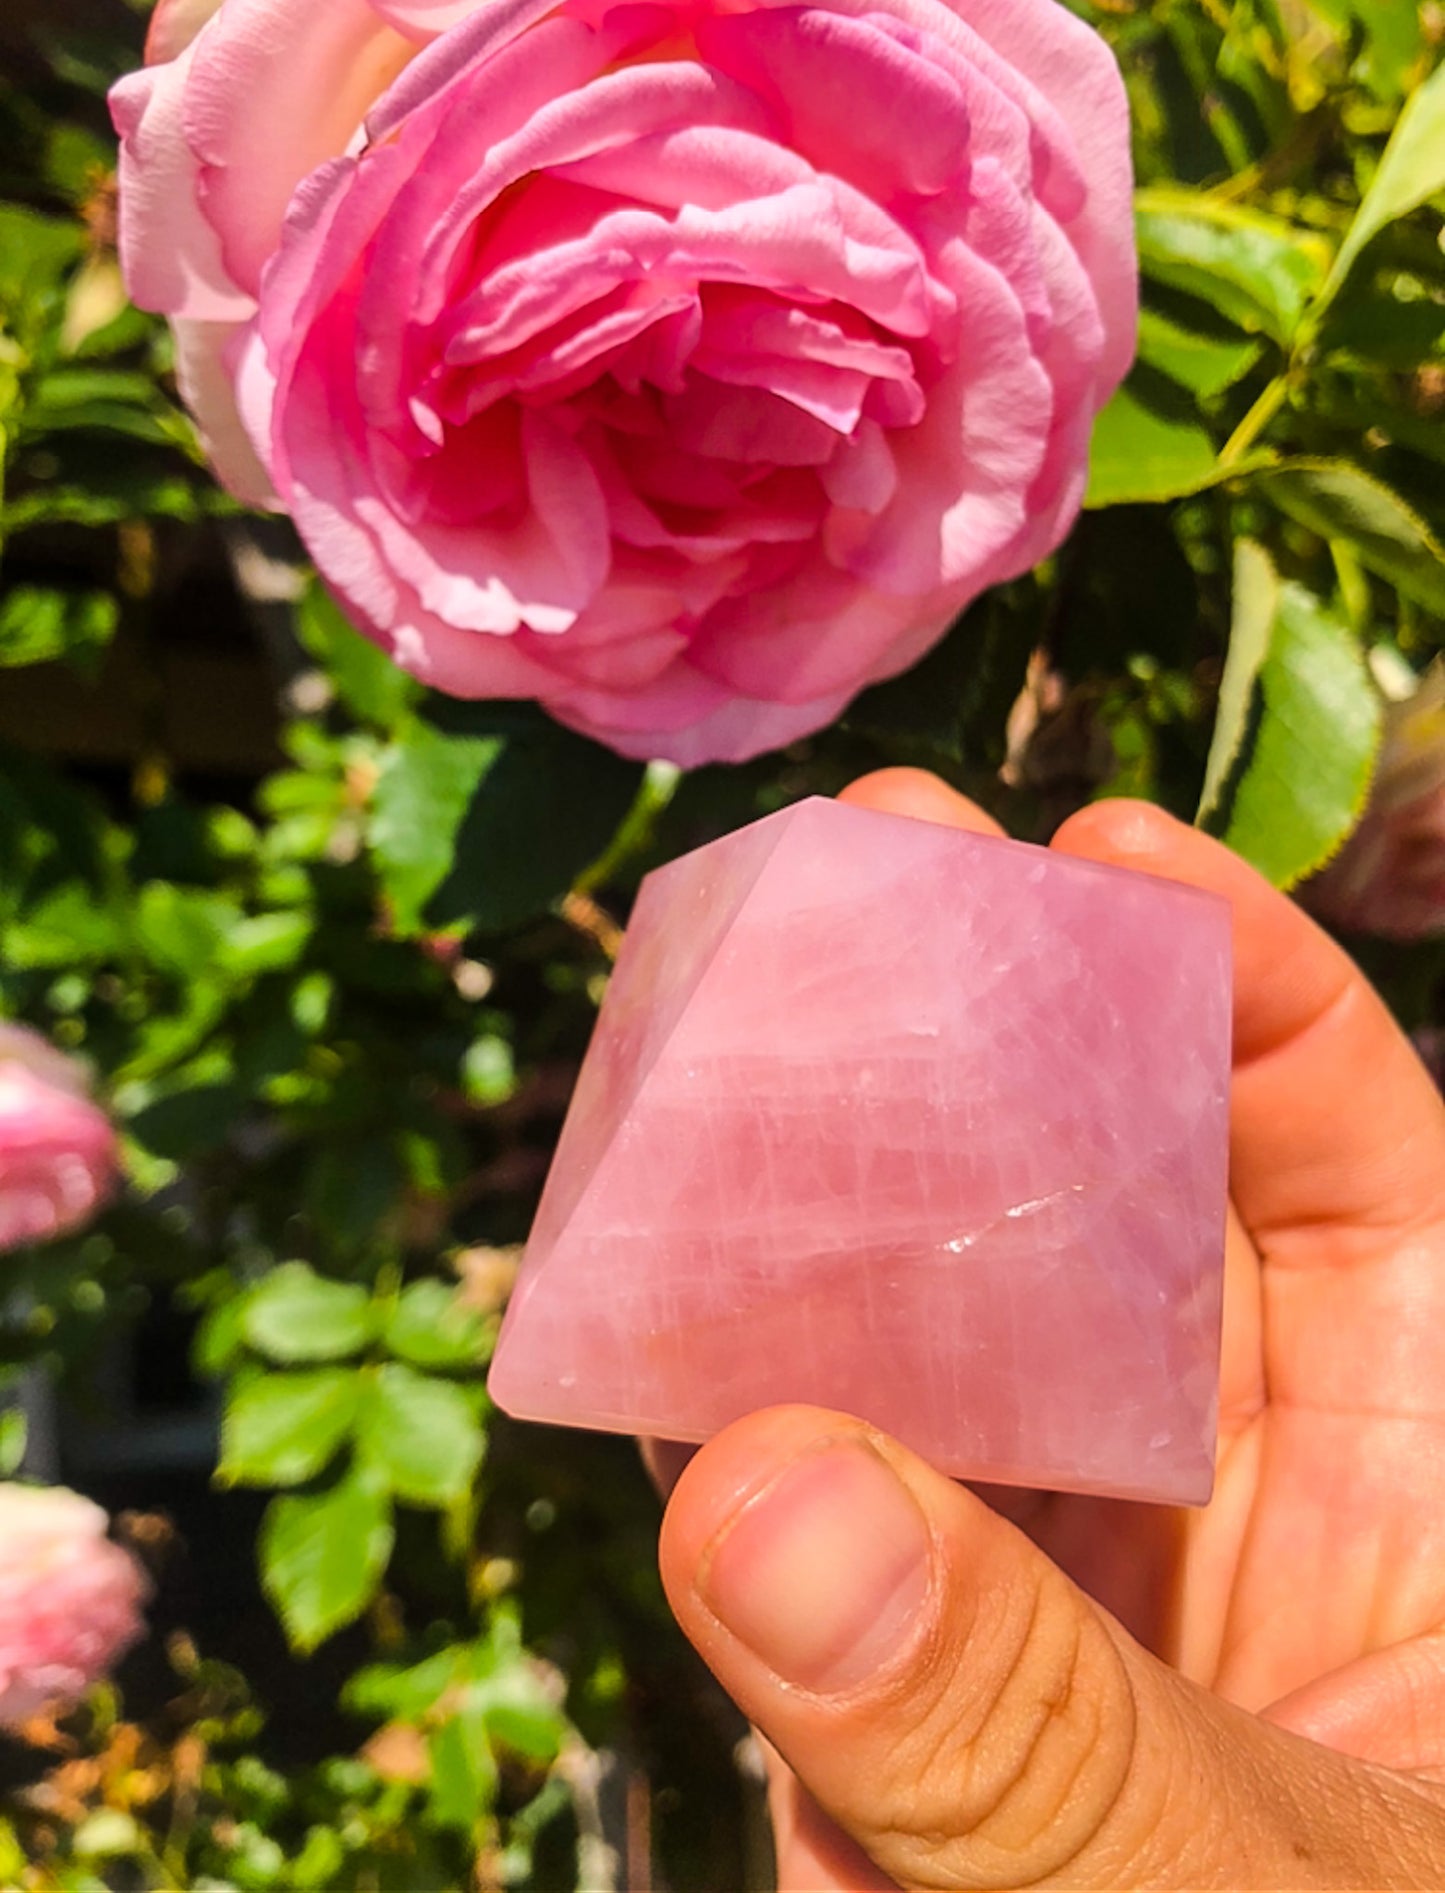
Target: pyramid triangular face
921, 1125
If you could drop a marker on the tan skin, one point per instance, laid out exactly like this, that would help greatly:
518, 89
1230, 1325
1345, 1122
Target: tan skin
1105, 1694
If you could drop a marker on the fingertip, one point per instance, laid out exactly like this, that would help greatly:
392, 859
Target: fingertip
796, 1555
921, 796
725, 1474
1126, 832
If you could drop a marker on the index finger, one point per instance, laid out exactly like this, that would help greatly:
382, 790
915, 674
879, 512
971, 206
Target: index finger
1338, 1140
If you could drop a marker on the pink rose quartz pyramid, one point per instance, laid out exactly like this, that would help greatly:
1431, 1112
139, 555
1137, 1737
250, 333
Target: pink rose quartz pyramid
895, 1119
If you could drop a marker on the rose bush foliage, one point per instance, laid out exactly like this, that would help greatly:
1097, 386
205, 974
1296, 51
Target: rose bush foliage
683, 368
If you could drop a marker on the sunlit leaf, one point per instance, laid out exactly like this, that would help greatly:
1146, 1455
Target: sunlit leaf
370, 685
1205, 364
431, 1326
418, 1435
547, 810
297, 1315
323, 1554
1257, 270
1256, 607
427, 781
1303, 770
1140, 452
1411, 172
1338, 501
280, 1429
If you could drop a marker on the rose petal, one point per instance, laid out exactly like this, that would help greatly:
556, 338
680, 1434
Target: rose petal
813, 66
173, 25
474, 34
742, 322
424, 19
169, 252
208, 388
688, 720
540, 570
1070, 64
309, 72
965, 471
794, 642
862, 475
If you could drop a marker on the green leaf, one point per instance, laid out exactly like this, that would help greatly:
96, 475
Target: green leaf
427, 782
39, 624
547, 809
351, 1186
370, 685
1411, 172
311, 1002
1339, 502
219, 1340
1306, 772
281, 1429
1140, 452
431, 1326
393, 1691
1256, 606
1257, 270
419, 1436
35, 252
320, 1862
67, 928
14, 1436
463, 1770
164, 1040
1395, 29
323, 1555
489, 1071
1205, 364
265, 943
521, 1714
297, 1315
104, 400
1374, 324
189, 1119
107, 1834
182, 930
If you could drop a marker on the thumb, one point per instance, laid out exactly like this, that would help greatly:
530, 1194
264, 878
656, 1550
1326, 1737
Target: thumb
967, 1715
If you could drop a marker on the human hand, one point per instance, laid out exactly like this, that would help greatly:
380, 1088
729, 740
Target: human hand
1092, 1693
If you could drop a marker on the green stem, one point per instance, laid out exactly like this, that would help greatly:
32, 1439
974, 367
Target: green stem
1255, 422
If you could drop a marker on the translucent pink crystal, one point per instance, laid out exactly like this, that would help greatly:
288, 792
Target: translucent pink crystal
899, 1120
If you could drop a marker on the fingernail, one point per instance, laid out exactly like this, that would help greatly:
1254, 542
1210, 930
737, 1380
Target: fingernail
825, 1572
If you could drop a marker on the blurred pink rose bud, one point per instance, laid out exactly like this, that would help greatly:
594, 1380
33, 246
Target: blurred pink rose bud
70, 1599
1389, 878
683, 367
57, 1147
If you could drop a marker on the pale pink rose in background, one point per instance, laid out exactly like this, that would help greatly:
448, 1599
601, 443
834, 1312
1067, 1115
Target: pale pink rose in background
684, 367
1389, 878
70, 1599
57, 1147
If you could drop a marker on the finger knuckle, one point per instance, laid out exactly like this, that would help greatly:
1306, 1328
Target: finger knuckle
1022, 1749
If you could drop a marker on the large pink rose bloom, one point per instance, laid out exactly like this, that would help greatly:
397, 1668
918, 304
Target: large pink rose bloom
57, 1148
683, 366
70, 1599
